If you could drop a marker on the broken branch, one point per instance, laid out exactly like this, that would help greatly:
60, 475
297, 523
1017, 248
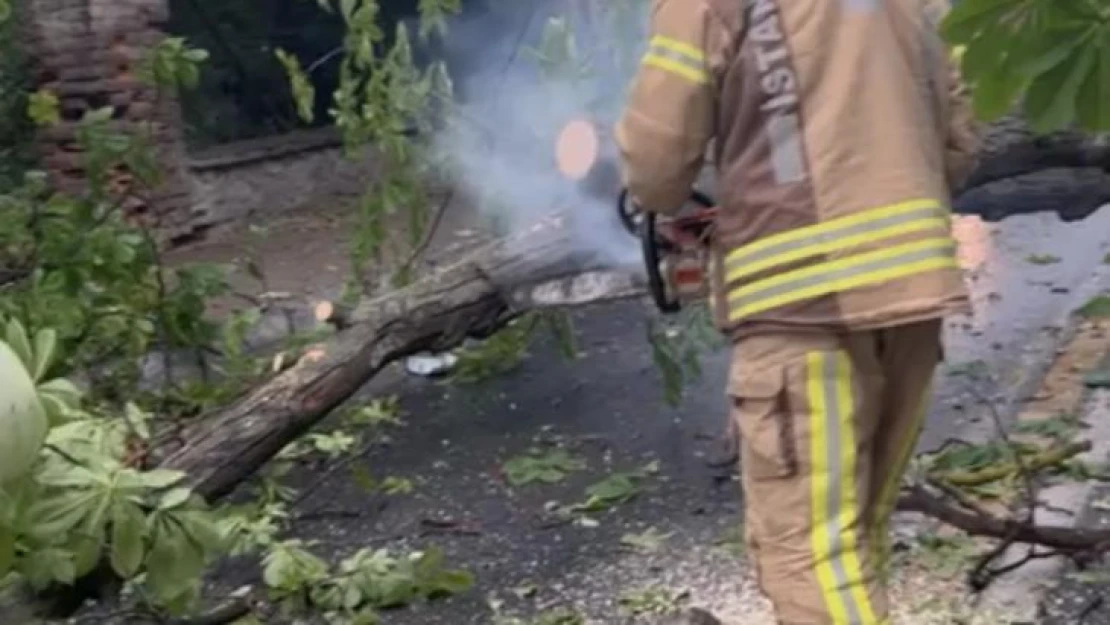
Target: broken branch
1040, 461
1064, 539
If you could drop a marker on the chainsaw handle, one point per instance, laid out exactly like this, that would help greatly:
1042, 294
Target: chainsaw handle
629, 213
652, 246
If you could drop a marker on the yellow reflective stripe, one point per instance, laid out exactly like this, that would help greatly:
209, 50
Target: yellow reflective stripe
819, 488
851, 512
834, 503
679, 47
810, 234
854, 271
938, 223
675, 68
677, 57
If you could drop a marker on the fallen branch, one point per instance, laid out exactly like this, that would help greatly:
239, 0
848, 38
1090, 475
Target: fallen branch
1038, 462
1071, 540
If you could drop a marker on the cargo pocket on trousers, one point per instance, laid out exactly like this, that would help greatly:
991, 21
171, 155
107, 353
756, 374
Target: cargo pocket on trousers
761, 412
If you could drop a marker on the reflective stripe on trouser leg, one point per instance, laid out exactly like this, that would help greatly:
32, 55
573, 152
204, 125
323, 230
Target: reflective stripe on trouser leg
835, 505
891, 485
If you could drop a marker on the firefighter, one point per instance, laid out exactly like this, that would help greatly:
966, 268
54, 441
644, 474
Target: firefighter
839, 130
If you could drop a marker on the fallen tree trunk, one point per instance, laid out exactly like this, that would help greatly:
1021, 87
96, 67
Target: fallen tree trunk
474, 297
1030, 155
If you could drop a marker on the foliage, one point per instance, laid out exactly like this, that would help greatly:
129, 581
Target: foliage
361, 584
614, 490
652, 601
83, 292
536, 466
1052, 57
81, 499
649, 540
16, 131
1096, 308
677, 346
74, 263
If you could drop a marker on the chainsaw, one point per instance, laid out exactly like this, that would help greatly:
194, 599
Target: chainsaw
675, 248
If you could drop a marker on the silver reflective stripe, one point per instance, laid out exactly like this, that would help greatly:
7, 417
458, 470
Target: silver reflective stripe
861, 5
834, 511
783, 131
830, 277
671, 54
738, 261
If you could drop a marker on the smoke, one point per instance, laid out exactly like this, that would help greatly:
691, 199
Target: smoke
500, 144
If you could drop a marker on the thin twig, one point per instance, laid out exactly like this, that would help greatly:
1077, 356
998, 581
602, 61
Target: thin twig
308, 492
430, 231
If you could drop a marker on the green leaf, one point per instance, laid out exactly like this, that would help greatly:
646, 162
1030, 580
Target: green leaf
969, 17
1050, 103
128, 527
994, 93
1096, 308
7, 551
1092, 112
62, 389
162, 478
18, 341
172, 563
49, 565
23, 420
45, 342
58, 515
175, 498
5, 10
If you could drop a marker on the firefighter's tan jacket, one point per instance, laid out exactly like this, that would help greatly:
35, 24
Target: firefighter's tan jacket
839, 128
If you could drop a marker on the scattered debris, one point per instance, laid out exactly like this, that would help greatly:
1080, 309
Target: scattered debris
653, 601
1042, 259
430, 365
649, 540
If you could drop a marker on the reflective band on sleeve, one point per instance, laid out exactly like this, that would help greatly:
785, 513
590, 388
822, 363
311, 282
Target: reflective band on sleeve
677, 57
836, 509
840, 275
888, 221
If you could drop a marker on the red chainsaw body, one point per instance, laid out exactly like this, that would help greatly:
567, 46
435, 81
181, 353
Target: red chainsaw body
685, 263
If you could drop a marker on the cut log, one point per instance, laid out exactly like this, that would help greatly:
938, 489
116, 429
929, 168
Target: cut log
1035, 154
474, 297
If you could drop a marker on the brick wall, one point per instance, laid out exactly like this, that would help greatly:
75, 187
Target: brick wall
87, 53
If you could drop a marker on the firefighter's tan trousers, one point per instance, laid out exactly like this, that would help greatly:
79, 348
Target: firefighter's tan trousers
827, 424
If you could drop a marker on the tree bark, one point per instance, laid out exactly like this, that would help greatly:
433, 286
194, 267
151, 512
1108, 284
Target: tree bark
1027, 155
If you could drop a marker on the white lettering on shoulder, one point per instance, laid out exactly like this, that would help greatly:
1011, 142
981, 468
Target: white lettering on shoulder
779, 83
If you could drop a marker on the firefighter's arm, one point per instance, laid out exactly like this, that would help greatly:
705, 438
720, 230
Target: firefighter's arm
962, 143
670, 114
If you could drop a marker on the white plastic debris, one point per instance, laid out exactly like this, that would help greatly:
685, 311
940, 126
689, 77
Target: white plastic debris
430, 365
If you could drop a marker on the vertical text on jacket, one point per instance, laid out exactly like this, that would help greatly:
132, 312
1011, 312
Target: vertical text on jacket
779, 83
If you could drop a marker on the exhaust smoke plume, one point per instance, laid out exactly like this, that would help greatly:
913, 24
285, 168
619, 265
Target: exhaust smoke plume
522, 73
